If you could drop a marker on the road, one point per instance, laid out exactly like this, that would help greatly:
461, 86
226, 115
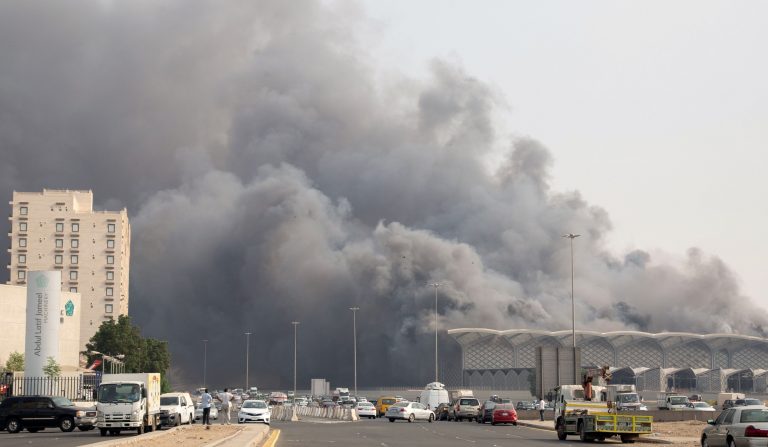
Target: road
51, 436
382, 433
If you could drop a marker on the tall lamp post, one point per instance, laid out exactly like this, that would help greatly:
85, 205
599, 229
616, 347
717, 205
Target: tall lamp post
435, 285
247, 351
354, 341
295, 327
572, 236
205, 361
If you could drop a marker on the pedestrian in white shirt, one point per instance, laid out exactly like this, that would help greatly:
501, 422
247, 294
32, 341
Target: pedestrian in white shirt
542, 407
206, 401
226, 399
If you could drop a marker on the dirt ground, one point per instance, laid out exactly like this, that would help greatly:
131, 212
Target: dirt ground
687, 429
188, 436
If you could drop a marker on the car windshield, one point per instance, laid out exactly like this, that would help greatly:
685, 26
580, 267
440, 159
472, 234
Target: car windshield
504, 407
119, 393
400, 404
387, 401
754, 416
254, 404
752, 402
469, 402
628, 398
677, 400
62, 402
701, 404
364, 404
171, 400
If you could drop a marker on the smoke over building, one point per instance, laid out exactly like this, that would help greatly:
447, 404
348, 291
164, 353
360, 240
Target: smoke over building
274, 173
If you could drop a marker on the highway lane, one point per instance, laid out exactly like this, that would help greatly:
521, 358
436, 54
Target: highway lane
51, 437
382, 433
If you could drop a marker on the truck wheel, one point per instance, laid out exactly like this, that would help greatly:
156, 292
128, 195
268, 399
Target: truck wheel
67, 424
561, 433
627, 439
391, 419
140, 430
103, 431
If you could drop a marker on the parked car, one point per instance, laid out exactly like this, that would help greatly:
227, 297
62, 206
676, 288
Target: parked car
465, 408
695, 398
504, 414
730, 403
485, 413
176, 409
383, 403
409, 411
701, 406
199, 412
254, 411
35, 413
443, 412
737, 427
366, 410
525, 405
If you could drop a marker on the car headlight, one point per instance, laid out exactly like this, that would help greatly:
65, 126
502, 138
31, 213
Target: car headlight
80, 413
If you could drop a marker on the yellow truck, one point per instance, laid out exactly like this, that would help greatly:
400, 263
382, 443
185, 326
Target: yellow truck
593, 419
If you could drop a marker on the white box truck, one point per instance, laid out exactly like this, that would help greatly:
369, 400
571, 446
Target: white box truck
128, 402
672, 401
433, 395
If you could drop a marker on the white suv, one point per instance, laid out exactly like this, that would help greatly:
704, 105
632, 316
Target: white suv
176, 409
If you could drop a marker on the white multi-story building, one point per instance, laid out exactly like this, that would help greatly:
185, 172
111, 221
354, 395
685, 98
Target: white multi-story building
59, 230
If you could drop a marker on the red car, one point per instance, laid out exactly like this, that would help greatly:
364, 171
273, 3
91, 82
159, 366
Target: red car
504, 414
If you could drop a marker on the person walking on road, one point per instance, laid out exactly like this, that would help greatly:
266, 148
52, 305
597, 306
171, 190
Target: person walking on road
206, 401
542, 406
226, 399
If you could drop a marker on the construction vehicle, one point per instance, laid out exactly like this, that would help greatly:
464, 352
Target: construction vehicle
128, 402
591, 419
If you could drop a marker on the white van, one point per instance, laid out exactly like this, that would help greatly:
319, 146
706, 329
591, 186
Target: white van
433, 395
176, 409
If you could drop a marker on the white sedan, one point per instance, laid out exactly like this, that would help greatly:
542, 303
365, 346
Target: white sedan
366, 410
199, 413
701, 406
254, 411
409, 411
737, 427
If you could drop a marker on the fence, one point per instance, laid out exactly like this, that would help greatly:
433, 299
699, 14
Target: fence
75, 388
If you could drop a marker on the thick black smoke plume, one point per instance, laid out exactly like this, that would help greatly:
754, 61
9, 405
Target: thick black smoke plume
273, 173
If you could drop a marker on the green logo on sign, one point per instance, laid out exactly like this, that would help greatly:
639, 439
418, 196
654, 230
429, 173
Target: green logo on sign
41, 281
70, 308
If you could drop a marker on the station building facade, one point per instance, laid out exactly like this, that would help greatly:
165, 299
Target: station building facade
674, 361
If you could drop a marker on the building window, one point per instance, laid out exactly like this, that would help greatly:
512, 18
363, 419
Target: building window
22, 242
59, 243
110, 243
73, 275
109, 291
110, 275
75, 243
110, 228
23, 227
73, 259
21, 275
108, 308
75, 227
23, 210
22, 259
59, 259
110, 259
73, 289
59, 227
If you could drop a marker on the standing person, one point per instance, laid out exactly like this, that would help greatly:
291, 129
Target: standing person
206, 401
226, 399
588, 388
542, 406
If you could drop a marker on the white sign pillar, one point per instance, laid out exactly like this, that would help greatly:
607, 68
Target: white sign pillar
43, 314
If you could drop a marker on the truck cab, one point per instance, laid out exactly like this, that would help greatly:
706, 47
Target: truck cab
623, 398
672, 401
128, 401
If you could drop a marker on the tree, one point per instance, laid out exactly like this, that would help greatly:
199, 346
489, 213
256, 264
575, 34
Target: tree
141, 355
15, 362
52, 369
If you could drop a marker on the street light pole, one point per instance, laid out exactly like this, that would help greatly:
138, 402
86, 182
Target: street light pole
247, 351
435, 285
572, 236
295, 326
354, 340
205, 361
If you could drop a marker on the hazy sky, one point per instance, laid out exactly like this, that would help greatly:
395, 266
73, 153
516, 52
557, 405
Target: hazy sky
655, 110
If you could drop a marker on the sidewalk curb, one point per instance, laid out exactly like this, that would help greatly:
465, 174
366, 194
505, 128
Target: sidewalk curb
225, 439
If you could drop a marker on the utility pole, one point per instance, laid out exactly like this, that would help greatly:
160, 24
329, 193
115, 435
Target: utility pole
205, 361
295, 326
247, 351
354, 341
435, 285
572, 236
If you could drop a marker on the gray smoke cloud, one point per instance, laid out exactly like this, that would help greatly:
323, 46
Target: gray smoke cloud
273, 173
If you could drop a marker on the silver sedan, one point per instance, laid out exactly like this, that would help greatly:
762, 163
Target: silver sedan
409, 411
738, 427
